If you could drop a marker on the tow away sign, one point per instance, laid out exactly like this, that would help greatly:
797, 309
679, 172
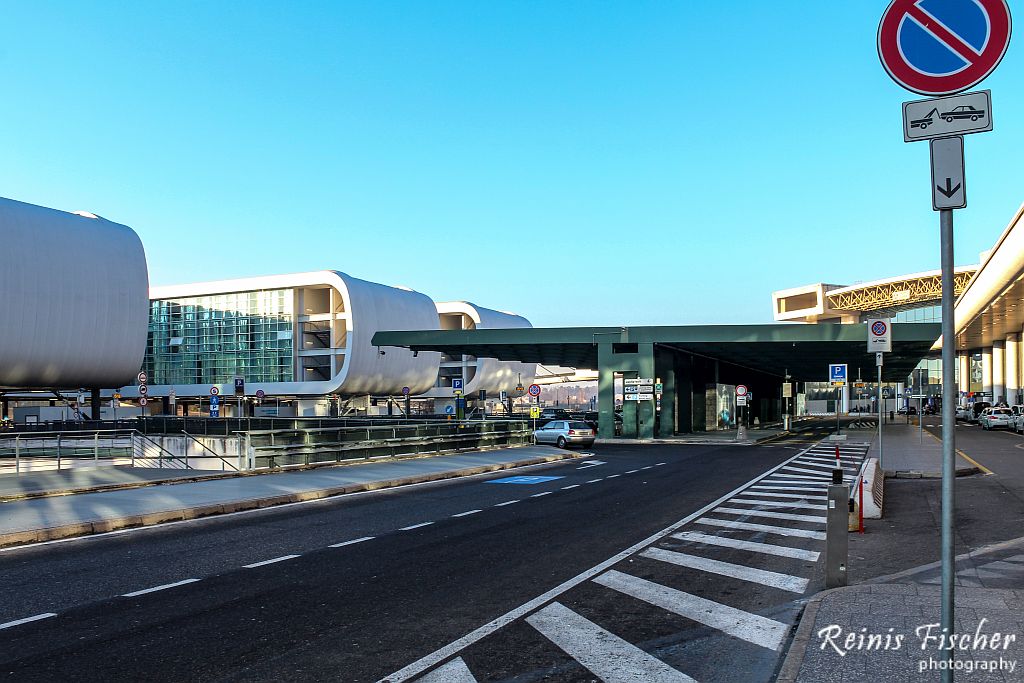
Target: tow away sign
940, 117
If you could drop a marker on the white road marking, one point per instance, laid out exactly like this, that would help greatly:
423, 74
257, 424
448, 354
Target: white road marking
607, 656
786, 582
447, 651
817, 519
777, 504
794, 496
154, 589
822, 463
817, 473
752, 546
467, 513
752, 628
542, 493
415, 526
796, 482
507, 502
824, 476
807, 488
19, 622
612, 476
574, 486
454, 671
749, 526
631, 471
658, 464
594, 481
647, 468
353, 541
276, 559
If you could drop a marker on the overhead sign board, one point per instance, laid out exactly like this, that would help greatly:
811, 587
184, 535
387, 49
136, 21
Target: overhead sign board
938, 117
948, 182
941, 48
837, 374
879, 335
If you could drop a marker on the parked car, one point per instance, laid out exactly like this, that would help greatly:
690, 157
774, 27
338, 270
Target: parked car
963, 412
992, 418
976, 409
565, 433
554, 414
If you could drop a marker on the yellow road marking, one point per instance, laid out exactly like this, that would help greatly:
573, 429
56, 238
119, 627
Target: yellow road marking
965, 456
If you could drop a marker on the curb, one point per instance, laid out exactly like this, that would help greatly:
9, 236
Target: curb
914, 474
790, 668
153, 518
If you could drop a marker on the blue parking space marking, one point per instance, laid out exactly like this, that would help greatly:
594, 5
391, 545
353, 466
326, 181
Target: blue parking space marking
523, 480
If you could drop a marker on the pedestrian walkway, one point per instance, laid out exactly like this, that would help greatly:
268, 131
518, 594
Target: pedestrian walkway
763, 541
909, 452
98, 478
42, 519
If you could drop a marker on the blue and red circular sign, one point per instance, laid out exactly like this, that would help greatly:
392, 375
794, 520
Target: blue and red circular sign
878, 328
534, 390
940, 47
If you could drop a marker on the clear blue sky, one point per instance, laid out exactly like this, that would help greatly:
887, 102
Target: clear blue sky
576, 162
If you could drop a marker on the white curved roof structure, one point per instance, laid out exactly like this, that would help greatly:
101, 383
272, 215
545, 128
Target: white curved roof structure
324, 321
74, 304
490, 374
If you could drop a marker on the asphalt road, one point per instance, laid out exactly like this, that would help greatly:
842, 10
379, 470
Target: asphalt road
359, 587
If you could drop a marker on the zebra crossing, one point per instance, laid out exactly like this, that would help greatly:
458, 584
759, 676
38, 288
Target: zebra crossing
706, 578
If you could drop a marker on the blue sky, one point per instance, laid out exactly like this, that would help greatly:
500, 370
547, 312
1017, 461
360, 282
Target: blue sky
576, 162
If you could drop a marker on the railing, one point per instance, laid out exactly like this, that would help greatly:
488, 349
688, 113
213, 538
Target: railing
292, 447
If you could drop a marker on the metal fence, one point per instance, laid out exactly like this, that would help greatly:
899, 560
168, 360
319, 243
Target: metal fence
284, 447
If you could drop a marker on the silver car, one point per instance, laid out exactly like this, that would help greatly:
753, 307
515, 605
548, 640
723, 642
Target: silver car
564, 433
991, 418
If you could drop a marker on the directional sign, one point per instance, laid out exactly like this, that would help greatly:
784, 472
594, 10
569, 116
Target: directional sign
879, 335
939, 117
837, 374
534, 390
456, 383
645, 397
631, 389
941, 48
948, 191
450, 410
631, 397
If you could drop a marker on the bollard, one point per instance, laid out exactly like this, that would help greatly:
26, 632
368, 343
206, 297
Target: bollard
836, 532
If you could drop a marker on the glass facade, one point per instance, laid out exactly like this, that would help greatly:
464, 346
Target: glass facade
212, 339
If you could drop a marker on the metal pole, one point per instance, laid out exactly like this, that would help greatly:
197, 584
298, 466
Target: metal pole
948, 433
881, 410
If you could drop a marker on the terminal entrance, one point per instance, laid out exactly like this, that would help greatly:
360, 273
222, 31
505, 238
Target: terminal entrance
686, 377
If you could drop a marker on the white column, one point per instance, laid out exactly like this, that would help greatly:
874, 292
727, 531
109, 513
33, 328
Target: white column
964, 381
1013, 369
986, 373
998, 372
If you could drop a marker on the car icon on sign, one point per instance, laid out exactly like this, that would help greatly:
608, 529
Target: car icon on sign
963, 112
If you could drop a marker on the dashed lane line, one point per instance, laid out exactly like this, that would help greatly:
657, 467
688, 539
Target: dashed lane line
467, 513
752, 628
594, 481
507, 502
631, 471
573, 486
415, 526
817, 519
786, 582
647, 468
26, 620
165, 586
750, 526
265, 562
454, 671
752, 546
542, 493
612, 476
352, 542
603, 653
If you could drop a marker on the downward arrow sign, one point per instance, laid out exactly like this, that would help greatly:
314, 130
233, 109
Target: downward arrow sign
949, 190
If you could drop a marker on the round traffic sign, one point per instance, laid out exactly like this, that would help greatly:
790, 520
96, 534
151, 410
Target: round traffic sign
143, 401
143, 377
214, 391
741, 390
879, 328
143, 390
943, 48
450, 410
260, 393
534, 390
405, 391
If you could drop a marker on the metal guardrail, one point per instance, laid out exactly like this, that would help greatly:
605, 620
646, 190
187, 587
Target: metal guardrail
292, 447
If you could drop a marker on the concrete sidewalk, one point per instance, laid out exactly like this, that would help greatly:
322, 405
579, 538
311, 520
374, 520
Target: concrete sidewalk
42, 519
97, 478
909, 453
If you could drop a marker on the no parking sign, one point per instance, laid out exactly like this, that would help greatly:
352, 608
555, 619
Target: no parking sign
943, 47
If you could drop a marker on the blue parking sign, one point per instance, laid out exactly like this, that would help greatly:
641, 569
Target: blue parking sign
837, 372
457, 383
